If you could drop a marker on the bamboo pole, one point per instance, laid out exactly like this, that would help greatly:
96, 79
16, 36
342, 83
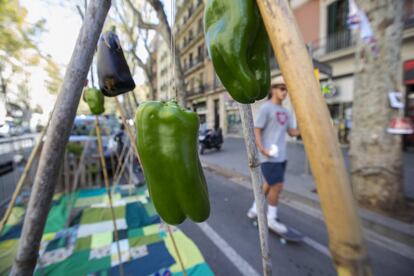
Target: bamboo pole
108, 190
170, 232
321, 145
249, 138
128, 128
57, 137
23, 176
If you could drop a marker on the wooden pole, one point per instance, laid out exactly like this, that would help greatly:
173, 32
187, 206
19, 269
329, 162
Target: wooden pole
170, 232
256, 175
321, 145
131, 136
23, 176
108, 190
57, 137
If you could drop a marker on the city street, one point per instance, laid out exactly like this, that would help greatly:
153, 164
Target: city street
230, 242
178, 89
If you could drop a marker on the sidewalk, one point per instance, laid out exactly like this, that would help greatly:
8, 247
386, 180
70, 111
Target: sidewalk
299, 185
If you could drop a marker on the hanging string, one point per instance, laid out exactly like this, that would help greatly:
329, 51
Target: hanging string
172, 85
108, 190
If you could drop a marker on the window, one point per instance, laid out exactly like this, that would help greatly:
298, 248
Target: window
190, 60
200, 25
200, 53
338, 34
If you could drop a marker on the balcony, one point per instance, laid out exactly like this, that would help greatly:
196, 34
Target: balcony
345, 39
188, 42
192, 65
334, 42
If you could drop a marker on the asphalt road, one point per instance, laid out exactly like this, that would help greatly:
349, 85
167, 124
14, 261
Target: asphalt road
228, 232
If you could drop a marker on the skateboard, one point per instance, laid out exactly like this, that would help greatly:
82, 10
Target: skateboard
292, 235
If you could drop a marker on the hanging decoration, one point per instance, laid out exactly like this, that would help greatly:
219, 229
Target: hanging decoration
357, 19
95, 100
167, 145
113, 72
239, 48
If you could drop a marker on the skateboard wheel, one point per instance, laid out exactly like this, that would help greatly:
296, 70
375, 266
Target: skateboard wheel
283, 241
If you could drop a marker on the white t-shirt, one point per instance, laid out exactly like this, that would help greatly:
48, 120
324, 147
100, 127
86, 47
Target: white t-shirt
274, 120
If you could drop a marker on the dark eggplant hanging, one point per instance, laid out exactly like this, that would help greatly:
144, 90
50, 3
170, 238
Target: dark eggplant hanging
113, 71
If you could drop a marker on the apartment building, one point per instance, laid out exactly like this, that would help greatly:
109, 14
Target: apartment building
204, 94
330, 41
324, 29
163, 70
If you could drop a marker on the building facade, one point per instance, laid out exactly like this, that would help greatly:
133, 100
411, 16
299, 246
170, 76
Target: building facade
163, 71
330, 41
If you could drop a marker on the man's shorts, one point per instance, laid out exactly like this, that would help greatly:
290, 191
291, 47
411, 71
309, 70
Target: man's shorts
273, 172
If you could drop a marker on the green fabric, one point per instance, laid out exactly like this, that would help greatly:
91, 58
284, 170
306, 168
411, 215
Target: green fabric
5, 229
57, 243
77, 264
8, 251
192, 255
58, 215
135, 233
88, 201
92, 192
93, 215
151, 229
200, 269
143, 240
16, 215
83, 243
101, 239
150, 209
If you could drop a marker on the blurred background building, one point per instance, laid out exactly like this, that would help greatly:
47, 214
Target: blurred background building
329, 40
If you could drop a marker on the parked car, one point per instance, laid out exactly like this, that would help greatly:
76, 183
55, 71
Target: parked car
83, 130
4, 130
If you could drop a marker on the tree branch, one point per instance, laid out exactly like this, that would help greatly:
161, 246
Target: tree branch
141, 23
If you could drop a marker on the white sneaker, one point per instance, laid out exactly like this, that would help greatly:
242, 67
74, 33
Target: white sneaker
251, 214
276, 226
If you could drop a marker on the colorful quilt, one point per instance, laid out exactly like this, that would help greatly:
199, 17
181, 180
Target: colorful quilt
79, 237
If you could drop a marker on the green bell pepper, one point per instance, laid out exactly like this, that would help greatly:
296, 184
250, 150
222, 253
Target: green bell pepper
239, 48
167, 145
95, 100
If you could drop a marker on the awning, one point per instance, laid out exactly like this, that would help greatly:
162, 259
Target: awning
409, 72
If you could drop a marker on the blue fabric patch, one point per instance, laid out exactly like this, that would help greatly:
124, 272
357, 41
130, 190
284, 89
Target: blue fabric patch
92, 192
136, 216
13, 232
158, 257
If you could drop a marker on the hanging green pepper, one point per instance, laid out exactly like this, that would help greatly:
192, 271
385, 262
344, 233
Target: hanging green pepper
95, 100
239, 48
167, 144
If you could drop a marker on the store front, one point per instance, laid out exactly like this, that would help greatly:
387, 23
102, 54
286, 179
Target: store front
233, 120
409, 99
201, 109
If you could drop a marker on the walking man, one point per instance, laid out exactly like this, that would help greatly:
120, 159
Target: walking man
271, 126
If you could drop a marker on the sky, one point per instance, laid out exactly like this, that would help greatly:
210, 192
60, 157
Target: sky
62, 27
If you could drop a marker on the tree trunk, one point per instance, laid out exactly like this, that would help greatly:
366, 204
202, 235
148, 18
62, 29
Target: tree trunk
57, 137
376, 156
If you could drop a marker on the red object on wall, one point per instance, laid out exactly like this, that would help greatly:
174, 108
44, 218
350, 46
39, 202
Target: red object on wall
409, 72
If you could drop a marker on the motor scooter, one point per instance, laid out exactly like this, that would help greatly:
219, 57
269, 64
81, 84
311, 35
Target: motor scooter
210, 139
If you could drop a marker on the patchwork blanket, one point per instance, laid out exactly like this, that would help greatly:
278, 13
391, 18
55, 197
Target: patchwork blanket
79, 237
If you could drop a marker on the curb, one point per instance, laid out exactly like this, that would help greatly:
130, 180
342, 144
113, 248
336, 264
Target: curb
384, 231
